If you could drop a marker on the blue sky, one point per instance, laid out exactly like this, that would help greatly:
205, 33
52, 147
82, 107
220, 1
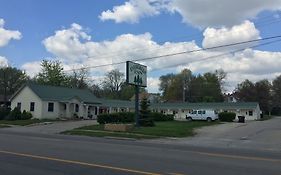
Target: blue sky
134, 29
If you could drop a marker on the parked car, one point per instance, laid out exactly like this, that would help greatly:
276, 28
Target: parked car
208, 115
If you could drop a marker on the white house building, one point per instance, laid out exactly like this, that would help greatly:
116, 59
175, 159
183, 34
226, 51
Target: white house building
53, 102
60, 102
251, 110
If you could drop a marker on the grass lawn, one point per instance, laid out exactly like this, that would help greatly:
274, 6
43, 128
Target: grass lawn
4, 126
23, 122
162, 129
266, 117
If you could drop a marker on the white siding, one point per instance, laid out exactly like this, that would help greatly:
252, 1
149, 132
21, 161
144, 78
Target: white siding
50, 115
25, 96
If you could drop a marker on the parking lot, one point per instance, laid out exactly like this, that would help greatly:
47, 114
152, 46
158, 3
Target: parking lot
260, 135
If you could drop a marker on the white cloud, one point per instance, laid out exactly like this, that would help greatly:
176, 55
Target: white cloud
153, 84
132, 11
66, 43
79, 49
238, 33
3, 60
221, 12
32, 68
7, 35
203, 13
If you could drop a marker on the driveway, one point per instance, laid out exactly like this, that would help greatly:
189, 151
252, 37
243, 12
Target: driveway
262, 135
51, 127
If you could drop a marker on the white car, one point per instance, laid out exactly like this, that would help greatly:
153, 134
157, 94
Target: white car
208, 115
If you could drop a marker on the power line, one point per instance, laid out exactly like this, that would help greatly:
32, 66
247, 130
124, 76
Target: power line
223, 54
263, 20
180, 53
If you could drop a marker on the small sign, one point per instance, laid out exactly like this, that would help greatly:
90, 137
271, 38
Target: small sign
136, 74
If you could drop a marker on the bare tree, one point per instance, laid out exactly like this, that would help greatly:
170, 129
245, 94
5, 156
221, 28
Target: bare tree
113, 80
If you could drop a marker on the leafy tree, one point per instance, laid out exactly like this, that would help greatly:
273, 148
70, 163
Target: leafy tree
175, 87
145, 118
260, 92
11, 79
212, 91
276, 88
245, 91
221, 75
144, 108
52, 74
127, 91
165, 83
263, 95
187, 87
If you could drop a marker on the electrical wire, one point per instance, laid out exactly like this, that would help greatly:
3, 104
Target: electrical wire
179, 53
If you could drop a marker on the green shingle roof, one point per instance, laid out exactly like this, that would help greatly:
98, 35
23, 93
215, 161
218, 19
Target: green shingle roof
55, 93
223, 105
118, 103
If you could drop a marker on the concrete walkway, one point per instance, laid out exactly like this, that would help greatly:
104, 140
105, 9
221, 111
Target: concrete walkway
261, 135
51, 127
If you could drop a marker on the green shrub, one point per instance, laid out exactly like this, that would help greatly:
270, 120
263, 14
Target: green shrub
25, 115
227, 116
161, 117
4, 112
120, 117
147, 122
15, 114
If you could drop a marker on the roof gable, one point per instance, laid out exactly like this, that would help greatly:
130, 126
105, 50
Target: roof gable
55, 93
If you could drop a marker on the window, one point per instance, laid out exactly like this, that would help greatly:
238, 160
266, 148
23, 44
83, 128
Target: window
19, 105
194, 112
250, 113
203, 112
32, 105
64, 106
76, 108
199, 112
50, 107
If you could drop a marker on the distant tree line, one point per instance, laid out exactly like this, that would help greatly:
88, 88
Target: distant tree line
184, 86
188, 87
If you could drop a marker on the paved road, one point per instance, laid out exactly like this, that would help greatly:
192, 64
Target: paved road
260, 135
45, 154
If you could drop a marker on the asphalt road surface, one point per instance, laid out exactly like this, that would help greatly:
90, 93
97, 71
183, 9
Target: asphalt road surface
47, 154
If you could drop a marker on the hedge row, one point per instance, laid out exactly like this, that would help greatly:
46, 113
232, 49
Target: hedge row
129, 117
227, 116
120, 117
161, 117
15, 114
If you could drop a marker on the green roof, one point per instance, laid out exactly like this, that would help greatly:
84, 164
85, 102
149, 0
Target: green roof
223, 105
55, 93
118, 103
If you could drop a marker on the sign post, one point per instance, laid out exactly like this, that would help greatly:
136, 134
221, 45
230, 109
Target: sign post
136, 74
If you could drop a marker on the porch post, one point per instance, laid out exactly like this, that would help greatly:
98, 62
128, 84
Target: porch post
98, 110
67, 112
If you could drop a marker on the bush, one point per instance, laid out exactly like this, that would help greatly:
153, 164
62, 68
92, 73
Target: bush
161, 117
147, 122
26, 115
15, 114
4, 112
120, 117
227, 116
